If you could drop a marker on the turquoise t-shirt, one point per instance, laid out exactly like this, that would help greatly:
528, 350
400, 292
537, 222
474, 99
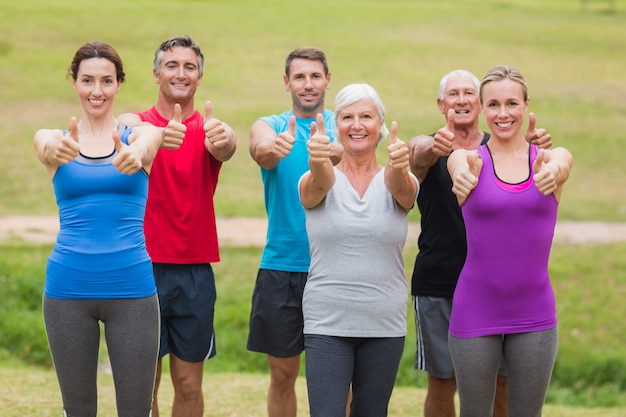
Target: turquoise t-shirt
287, 245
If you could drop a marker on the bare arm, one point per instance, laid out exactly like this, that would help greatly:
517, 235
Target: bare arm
425, 150
54, 148
266, 147
422, 156
143, 144
316, 183
398, 181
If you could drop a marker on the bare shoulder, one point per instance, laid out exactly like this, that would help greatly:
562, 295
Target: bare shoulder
129, 119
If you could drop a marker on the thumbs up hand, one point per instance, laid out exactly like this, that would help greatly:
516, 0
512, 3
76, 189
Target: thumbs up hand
215, 135
444, 138
318, 143
398, 150
465, 175
174, 132
129, 158
285, 140
539, 137
545, 174
66, 148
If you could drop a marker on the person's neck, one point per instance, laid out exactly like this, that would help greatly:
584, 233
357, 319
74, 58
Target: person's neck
358, 164
468, 138
301, 114
97, 126
511, 146
165, 107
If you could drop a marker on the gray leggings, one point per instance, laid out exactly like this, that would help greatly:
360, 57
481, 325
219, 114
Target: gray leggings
131, 328
528, 358
333, 363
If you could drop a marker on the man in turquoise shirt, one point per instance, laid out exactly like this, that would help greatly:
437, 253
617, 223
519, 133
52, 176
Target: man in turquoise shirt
278, 144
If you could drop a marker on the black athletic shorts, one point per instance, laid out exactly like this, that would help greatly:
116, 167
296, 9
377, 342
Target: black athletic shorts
187, 300
276, 322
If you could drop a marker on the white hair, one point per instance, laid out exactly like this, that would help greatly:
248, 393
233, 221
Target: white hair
352, 93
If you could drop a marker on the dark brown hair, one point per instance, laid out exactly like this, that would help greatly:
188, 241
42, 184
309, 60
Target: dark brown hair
306, 53
97, 50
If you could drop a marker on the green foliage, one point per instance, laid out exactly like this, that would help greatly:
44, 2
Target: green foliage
22, 272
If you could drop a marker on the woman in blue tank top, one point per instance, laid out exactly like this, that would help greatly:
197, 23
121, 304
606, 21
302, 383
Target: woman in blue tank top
503, 305
99, 269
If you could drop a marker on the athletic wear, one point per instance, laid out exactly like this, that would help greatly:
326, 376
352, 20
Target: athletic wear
356, 285
180, 216
355, 298
181, 236
432, 316
438, 263
131, 328
99, 272
187, 296
529, 360
287, 247
368, 366
100, 250
276, 318
441, 242
504, 286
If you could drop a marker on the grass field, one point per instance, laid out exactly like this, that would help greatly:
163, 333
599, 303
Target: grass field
35, 393
573, 60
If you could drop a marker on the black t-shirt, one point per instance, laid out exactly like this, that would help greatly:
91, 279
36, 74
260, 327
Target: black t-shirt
442, 245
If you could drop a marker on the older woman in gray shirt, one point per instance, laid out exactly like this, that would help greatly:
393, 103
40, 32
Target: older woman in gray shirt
355, 299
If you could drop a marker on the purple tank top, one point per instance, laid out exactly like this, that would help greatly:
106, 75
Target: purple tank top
504, 285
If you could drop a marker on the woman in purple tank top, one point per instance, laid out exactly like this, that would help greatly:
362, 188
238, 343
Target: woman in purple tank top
504, 305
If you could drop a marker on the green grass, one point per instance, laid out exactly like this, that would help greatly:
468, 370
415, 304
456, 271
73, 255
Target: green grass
570, 57
589, 281
35, 393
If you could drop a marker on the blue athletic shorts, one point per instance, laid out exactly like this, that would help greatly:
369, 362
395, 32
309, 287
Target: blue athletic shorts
276, 321
187, 300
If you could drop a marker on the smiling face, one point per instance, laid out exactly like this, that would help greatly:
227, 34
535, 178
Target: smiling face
178, 74
461, 94
307, 83
96, 84
504, 107
359, 126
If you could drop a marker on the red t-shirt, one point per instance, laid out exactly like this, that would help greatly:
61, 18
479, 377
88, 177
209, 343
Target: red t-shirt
180, 217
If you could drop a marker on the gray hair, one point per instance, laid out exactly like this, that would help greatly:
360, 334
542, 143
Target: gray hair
456, 73
352, 93
182, 41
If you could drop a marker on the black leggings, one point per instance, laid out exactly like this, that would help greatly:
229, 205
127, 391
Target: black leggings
333, 363
528, 358
131, 328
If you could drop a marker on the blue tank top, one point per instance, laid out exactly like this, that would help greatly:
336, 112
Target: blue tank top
287, 244
100, 250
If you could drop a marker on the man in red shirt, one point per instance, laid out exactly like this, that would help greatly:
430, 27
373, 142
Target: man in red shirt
180, 225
